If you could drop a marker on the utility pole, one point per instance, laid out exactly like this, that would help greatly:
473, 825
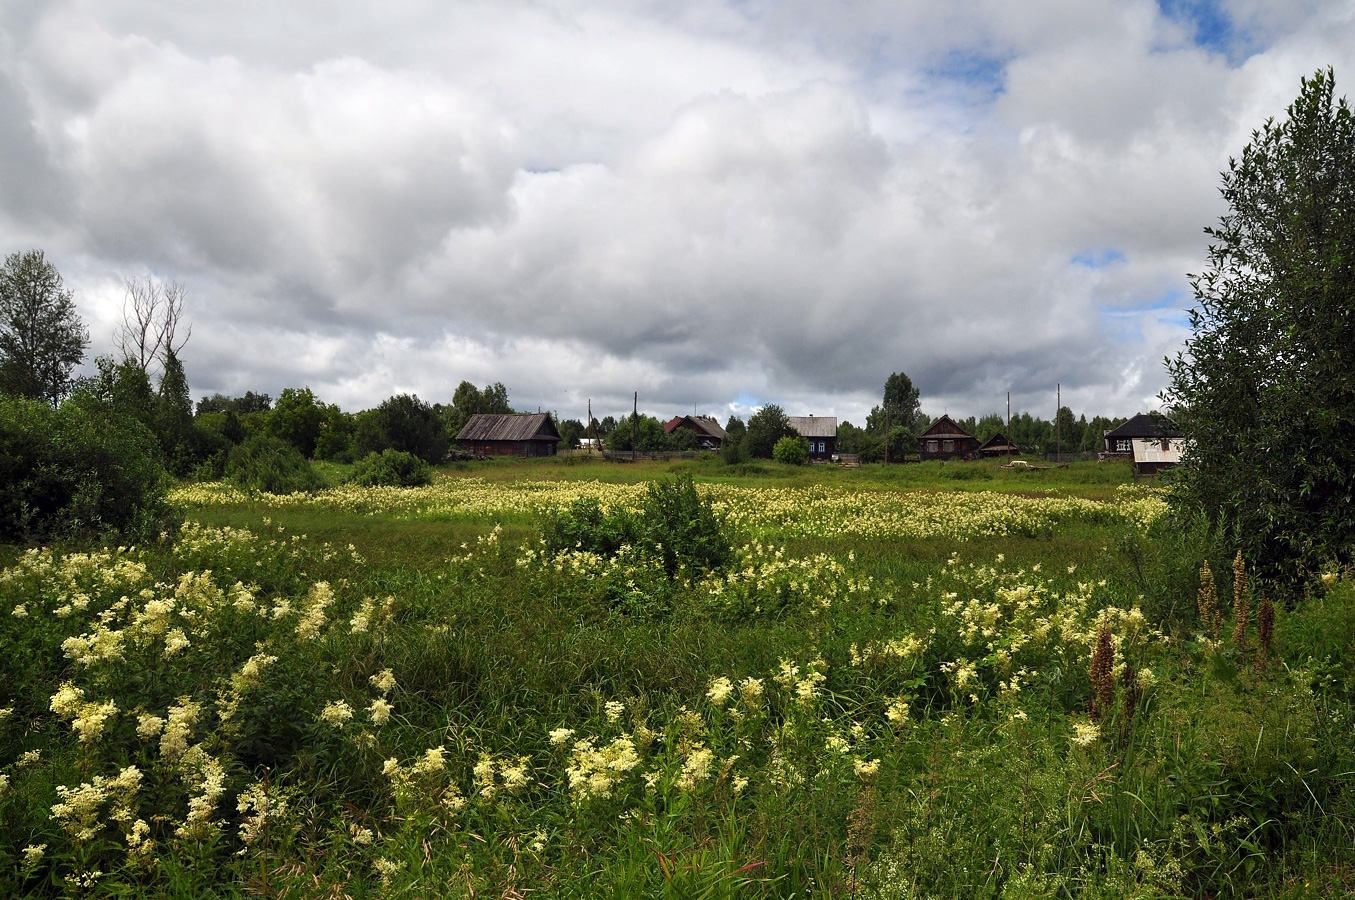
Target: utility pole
635, 426
591, 442
886, 434
1058, 435
1009, 428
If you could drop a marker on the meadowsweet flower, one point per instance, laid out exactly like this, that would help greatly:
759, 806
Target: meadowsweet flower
695, 768
175, 641
383, 681
379, 711
33, 854
1085, 734
182, 718
720, 689
387, 869
594, 772
258, 804
28, 758
865, 769
897, 712
206, 775
361, 836
19, 612
751, 691
148, 727
561, 735
337, 713
614, 710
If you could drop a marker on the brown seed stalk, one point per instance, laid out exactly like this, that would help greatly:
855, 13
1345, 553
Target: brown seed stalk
1103, 673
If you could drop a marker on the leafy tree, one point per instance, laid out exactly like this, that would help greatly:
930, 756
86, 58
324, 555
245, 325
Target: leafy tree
297, 418
571, 431
903, 401
1265, 386
467, 400
335, 440
765, 427
1069, 430
241, 406
404, 423
732, 448
41, 337
175, 408
77, 469
793, 451
606, 426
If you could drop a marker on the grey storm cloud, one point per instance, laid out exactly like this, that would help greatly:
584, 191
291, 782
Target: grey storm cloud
716, 204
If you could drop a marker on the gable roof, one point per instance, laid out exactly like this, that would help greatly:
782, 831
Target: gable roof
509, 427
997, 440
1145, 425
814, 426
701, 424
945, 427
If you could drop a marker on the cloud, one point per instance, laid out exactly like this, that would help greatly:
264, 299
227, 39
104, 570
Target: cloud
709, 204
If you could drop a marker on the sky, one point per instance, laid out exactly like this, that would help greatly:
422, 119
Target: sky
716, 204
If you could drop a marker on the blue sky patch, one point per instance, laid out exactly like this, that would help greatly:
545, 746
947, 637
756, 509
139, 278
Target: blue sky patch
1098, 258
980, 72
1211, 27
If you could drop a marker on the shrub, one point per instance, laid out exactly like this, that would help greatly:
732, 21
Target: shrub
391, 468
74, 470
266, 463
676, 525
793, 451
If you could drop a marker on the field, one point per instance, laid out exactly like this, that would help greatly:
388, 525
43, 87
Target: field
921, 681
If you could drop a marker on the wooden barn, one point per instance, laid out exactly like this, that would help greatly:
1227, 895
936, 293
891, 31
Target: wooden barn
709, 434
947, 440
997, 445
820, 432
511, 434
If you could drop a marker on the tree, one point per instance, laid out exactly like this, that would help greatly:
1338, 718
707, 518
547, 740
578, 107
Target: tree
297, 419
41, 337
152, 311
404, 423
1265, 387
765, 427
903, 401
732, 449
468, 400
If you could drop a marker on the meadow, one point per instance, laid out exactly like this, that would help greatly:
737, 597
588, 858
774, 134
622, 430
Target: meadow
907, 682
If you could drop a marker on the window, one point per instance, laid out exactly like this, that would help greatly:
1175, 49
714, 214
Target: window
931, 446
947, 446
823, 446
1124, 445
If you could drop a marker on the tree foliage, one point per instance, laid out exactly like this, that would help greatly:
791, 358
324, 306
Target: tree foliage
793, 451
404, 423
1265, 387
77, 470
765, 427
41, 336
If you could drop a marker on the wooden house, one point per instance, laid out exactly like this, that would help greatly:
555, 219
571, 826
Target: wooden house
947, 440
511, 434
1150, 442
820, 432
709, 434
997, 445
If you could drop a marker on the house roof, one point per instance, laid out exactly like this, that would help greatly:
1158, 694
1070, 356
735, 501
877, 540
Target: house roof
814, 426
997, 440
701, 424
1144, 425
945, 427
509, 427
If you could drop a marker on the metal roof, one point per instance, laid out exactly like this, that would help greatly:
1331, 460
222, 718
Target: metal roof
814, 426
509, 427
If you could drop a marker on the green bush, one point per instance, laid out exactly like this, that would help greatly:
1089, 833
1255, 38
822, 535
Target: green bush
391, 468
266, 463
793, 451
676, 526
73, 470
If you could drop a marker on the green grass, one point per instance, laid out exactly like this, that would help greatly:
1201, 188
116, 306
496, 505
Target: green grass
1216, 777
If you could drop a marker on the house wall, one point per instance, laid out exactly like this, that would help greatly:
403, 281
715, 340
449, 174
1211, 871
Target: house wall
947, 448
508, 448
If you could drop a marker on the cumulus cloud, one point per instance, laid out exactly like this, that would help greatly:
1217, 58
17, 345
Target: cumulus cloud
715, 204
